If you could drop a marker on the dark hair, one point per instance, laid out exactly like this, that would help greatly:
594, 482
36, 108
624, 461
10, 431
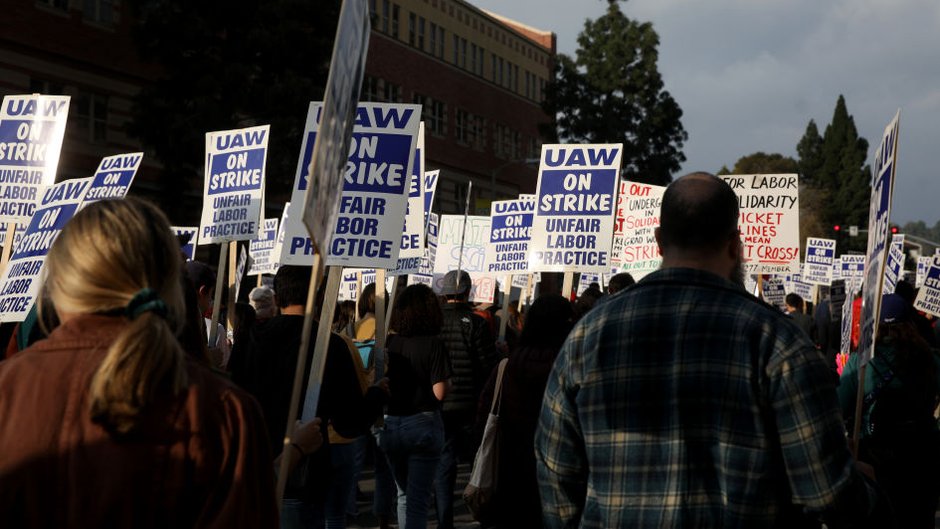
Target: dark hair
291, 284
699, 212
345, 315
547, 322
906, 290
913, 358
417, 312
620, 282
367, 300
200, 275
794, 300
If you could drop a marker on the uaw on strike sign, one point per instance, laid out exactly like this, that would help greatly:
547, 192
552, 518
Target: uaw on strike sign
575, 205
234, 189
374, 196
31, 132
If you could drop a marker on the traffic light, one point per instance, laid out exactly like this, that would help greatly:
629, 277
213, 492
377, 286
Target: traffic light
894, 229
837, 228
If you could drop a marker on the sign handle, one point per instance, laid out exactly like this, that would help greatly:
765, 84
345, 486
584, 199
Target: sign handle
298, 376
7, 246
259, 279
232, 270
380, 314
324, 330
760, 286
217, 297
463, 234
507, 288
568, 285
391, 305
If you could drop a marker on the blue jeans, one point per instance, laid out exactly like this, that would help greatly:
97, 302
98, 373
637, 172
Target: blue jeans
343, 458
385, 490
299, 514
413, 446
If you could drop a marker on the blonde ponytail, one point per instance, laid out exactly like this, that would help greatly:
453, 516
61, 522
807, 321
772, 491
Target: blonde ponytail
119, 257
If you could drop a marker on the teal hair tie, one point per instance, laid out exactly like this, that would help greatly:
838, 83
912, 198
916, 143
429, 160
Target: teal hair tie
146, 299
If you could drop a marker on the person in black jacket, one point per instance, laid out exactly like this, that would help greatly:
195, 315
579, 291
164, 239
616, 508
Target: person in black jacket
269, 360
517, 502
473, 356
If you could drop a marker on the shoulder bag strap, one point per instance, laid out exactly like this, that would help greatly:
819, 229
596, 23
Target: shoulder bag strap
498, 392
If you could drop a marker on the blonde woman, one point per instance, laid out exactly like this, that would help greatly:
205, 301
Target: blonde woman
107, 423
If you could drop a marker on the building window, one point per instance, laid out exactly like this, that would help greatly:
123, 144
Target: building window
456, 50
463, 53
493, 66
386, 13
395, 10
411, 29
99, 11
421, 33
91, 116
370, 89
471, 130
432, 113
473, 57
500, 71
391, 92
372, 9
39, 86
515, 78
479, 70
440, 43
432, 40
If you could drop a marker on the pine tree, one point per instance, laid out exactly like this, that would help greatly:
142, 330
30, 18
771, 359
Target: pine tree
612, 93
836, 165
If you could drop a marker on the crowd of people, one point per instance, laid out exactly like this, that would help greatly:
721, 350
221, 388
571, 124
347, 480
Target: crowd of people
676, 401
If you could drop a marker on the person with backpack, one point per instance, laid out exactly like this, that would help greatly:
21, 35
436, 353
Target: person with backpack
472, 351
898, 434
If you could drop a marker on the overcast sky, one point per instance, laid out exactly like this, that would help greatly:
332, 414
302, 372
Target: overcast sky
750, 74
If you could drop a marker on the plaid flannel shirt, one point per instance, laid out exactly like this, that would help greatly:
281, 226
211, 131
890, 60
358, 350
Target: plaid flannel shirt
685, 402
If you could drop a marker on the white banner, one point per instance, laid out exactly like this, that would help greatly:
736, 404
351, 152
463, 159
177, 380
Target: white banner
114, 177
894, 266
261, 249
635, 249
770, 221
928, 298
412, 238
448, 257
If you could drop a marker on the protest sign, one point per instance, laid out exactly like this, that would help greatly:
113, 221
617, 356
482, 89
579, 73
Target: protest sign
770, 221
350, 284
240, 271
430, 189
332, 146
261, 249
574, 216
31, 132
928, 298
473, 260
820, 256
372, 196
879, 213
16, 238
114, 177
187, 236
923, 263
522, 281
852, 271
234, 188
412, 238
585, 281
635, 249
774, 292
837, 269
846, 328
797, 284
894, 266
750, 284
22, 278
510, 233
425, 274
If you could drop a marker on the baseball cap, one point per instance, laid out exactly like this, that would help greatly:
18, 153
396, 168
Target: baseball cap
894, 309
451, 287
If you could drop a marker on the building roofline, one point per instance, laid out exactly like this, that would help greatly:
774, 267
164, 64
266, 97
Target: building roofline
540, 37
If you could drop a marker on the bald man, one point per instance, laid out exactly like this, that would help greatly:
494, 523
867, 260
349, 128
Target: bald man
686, 402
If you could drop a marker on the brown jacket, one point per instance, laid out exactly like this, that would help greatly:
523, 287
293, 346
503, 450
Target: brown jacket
200, 460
